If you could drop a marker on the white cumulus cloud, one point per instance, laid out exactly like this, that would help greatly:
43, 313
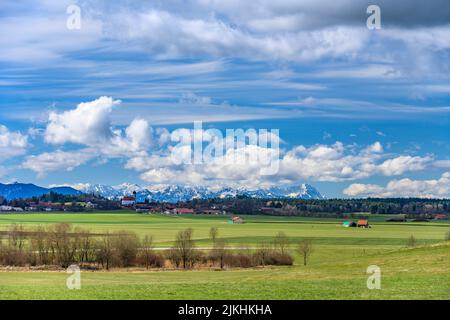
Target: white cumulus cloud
88, 123
330, 163
58, 161
11, 143
402, 164
437, 188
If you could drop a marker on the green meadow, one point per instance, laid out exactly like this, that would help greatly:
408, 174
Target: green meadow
337, 269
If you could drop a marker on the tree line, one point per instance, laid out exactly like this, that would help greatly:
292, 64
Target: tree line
413, 207
101, 203
62, 245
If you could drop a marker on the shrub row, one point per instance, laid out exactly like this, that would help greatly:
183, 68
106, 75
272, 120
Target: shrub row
63, 245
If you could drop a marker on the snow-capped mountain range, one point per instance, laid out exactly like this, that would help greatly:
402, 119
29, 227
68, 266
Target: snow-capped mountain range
160, 193
175, 193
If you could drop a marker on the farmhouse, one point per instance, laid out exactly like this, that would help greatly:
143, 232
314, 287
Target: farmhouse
9, 209
128, 201
147, 208
440, 217
6, 208
90, 205
183, 211
236, 220
49, 206
363, 223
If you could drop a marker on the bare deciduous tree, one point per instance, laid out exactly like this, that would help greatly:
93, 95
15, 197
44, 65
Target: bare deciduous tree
146, 252
105, 252
174, 257
62, 244
185, 248
263, 253
16, 236
305, 249
40, 245
411, 242
126, 246
85, 244
219, 252
281, 242
213, 233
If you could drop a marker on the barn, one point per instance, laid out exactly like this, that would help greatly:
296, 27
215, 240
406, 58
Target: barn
363, 223
236, 220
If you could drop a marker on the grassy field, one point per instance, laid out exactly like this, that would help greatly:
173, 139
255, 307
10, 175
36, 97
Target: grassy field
337, 269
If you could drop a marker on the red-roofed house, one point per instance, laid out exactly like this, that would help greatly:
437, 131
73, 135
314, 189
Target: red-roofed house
128, 201
183, 211
363, 223
236, 220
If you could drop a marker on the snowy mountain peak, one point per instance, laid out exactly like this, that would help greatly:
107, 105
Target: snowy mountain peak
128, 188
175, 193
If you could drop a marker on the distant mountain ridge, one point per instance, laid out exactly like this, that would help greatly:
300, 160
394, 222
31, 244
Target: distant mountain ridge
27, 190
175, 193
169, 193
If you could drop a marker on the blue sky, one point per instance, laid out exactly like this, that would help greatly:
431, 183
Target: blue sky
360, 112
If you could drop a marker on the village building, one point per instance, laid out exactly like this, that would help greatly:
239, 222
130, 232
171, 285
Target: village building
211, 211
168, 207
363, 223
236, 220
183, 211
128, 201
90, 205
49, 206
11, 209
